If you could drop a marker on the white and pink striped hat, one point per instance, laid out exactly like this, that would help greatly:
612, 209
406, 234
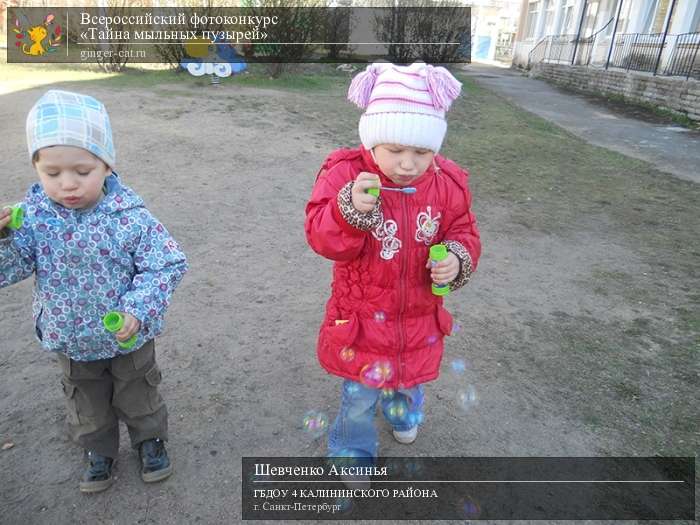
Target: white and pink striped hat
404, 104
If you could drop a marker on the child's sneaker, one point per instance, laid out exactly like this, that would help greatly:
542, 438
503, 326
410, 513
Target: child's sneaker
155, 464
406, 436
98, 476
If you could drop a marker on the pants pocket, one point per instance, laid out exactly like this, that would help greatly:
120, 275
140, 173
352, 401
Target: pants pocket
153, 378
144, 355
139, 396
69, 392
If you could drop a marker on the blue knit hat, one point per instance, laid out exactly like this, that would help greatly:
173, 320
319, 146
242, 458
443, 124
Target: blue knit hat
63, 118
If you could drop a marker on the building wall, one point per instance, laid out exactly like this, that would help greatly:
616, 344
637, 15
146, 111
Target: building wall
493, 22
672, 93
637, 18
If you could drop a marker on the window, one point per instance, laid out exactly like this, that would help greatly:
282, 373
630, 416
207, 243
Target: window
695, 26
567, 16
549, 9
624, 21
590, 19
532, 10
649, 10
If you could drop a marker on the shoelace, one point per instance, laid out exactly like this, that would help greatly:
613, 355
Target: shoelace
97, 462
153, 455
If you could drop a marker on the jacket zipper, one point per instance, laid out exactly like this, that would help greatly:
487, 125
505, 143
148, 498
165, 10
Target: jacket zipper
402, 291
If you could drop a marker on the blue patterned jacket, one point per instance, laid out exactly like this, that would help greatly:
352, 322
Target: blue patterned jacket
115, 256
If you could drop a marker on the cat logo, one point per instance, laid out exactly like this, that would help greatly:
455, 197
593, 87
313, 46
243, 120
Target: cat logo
40, 39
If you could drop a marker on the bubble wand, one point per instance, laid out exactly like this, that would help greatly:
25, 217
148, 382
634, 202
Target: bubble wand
408, 190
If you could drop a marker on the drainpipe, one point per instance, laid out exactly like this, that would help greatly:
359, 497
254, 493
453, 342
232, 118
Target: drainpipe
663, 41
578, 34
612, 39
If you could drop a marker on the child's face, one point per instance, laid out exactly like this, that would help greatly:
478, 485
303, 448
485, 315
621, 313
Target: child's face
71, 176
402, 164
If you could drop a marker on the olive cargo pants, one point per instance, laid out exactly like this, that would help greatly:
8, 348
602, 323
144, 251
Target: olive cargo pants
100, 393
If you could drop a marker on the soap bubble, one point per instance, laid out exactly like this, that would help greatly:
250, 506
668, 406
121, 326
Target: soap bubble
413, 467
315, 423
431, 339
379, 316
352, 388
376, 374
467, 398
347, 354
396, 411
458, 366
344, 505
471, 508
415, 417
387, 393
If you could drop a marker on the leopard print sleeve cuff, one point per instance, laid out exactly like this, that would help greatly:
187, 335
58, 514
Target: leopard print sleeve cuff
465, 264
362, 221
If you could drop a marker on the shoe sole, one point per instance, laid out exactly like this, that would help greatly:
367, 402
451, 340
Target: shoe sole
159, 475
405, 441
95, 486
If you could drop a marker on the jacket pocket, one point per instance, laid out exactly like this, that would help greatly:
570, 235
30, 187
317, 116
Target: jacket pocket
444, 320
343, 334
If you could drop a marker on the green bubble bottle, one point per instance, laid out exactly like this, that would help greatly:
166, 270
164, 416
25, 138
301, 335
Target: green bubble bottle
438, 252
113, 322
16, 216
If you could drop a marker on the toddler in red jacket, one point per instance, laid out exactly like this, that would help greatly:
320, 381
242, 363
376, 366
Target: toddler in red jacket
376, 211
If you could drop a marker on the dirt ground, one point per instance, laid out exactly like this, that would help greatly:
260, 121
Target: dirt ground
228, 171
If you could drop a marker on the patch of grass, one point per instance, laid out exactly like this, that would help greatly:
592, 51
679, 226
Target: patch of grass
555, 183
689, 319
291, 81
16, 77
616, 378
25, 76
676, 116
591, 418
627, 390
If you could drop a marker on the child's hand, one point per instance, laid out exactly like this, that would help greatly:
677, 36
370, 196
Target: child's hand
445, 271
5, 217
131, 326
362, 201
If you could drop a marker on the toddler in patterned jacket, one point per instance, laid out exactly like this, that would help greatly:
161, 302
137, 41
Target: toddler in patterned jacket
94, 248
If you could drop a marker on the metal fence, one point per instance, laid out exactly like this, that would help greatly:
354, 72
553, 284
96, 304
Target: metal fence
560, 49
636, 51
685, 59
630, 51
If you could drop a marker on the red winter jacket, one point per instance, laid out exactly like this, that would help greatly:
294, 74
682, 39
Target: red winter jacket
380, 284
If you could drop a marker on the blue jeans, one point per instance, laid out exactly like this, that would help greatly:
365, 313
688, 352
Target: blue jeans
354, 433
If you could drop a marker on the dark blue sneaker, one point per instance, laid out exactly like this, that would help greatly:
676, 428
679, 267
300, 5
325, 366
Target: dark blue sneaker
155, 464
98, 476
